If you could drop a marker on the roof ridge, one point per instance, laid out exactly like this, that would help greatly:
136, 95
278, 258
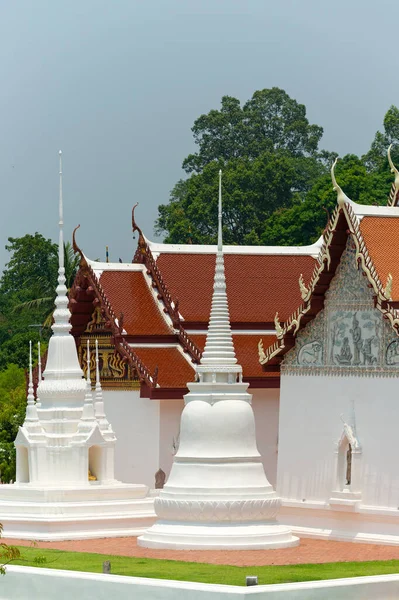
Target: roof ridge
118, 332
145, 256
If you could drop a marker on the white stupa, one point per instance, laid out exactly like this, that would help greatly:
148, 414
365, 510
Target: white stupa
217, 495
65, 486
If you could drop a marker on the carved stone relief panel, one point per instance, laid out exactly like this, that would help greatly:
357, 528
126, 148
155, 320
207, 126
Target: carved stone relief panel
349, 335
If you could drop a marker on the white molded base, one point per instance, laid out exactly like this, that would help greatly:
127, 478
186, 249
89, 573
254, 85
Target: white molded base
93, 511
366, 524
218, 536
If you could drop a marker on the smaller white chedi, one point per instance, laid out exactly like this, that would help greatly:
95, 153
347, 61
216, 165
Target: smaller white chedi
217, 495
65, 486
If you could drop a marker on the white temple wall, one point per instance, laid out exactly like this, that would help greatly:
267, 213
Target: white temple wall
169, 431
136, 423
149, 428
311, 425
265, 404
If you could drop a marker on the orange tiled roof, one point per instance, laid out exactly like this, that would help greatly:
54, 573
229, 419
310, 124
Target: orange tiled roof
128, 292
257, 285
174, 371
246, 347
381, 235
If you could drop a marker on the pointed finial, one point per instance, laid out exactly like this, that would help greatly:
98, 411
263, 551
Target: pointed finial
39, 362
220, 237
88, 364
394, 170
341, 196
98, 382
30, 398
39, 374
61, 220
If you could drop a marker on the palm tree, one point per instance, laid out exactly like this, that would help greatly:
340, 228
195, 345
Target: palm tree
45, 289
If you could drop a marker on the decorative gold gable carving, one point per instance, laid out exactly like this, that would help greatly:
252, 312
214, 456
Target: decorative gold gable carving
115, 371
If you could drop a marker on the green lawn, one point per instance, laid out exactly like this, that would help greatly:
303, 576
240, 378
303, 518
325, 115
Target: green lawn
201, 572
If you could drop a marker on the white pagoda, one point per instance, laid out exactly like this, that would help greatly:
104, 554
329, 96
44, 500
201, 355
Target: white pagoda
217, 495
65, 486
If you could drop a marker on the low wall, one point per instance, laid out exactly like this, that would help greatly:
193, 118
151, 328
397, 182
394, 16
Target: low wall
26, 583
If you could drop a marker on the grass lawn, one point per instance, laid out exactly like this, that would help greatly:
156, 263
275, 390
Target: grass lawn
201, 572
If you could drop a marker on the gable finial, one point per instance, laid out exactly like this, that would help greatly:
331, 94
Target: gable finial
341, 196
220, 235
394, 170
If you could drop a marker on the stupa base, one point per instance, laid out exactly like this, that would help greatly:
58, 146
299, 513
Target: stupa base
93, 511
218, 536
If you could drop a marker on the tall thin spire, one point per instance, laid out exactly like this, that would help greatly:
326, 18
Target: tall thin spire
219, 347
61, 221
220, 232
88, 416
99, 402
39, 375
61, 325
31, 412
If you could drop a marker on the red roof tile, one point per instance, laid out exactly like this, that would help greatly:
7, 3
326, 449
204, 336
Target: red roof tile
128, 292
246, 347
257, 285
174, 371
381, 235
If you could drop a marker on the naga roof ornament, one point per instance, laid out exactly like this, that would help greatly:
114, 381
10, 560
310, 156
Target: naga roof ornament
279, 329
395, 185
388, 287
302, 287
342, 198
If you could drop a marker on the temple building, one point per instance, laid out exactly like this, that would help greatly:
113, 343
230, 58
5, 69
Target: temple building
338, 359
151, 318
315, 329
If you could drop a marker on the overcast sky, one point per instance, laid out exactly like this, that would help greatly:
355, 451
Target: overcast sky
118, 84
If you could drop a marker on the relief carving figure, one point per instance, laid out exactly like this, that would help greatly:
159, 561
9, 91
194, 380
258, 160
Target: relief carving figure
357, 340
310, 354
392, 353
368, 358
345, 356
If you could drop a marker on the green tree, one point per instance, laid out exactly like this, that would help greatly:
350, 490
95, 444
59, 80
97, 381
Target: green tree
270, 120
303, 223
269, 155
376, 157
12, 414
27, 290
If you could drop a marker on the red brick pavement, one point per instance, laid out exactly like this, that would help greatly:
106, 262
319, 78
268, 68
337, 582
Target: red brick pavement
308, 551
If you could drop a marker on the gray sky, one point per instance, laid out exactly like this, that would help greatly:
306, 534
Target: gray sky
118, 84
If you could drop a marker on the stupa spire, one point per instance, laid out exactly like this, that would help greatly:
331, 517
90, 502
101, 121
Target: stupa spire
39, 375
99, 402
219, 347
88, 408
31, 410
61, 325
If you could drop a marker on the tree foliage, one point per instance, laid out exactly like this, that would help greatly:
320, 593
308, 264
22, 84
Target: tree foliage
276, 183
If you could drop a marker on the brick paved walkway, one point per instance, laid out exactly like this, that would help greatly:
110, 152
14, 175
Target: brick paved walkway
308, 551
